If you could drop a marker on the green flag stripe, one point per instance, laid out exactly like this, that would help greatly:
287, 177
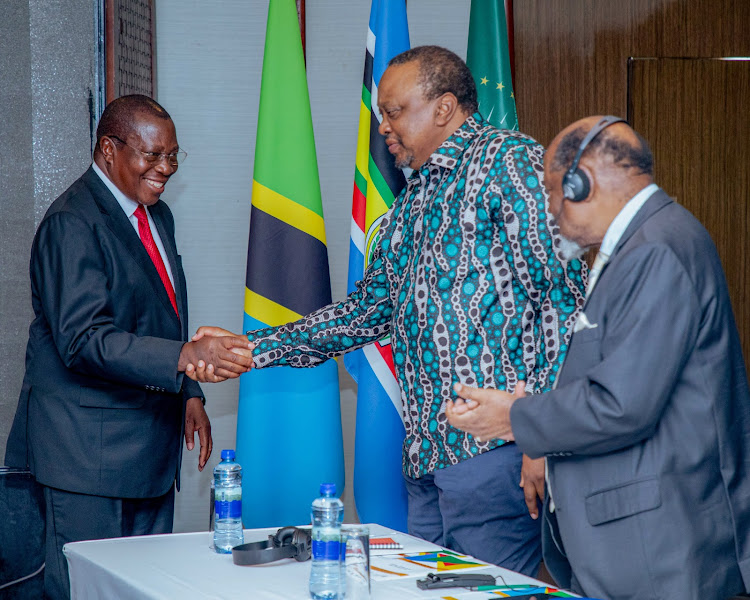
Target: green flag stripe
366, 97
291, 169
387, 178
360, 182
380, 184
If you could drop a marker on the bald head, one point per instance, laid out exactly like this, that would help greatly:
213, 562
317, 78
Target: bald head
616, 164
619, 143
120, 116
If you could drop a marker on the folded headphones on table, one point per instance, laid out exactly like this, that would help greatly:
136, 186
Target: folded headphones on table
287, 542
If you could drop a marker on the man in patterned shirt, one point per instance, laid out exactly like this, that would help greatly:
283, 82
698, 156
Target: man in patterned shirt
467, 282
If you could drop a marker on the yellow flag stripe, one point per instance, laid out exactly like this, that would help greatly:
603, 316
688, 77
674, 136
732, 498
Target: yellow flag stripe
290, 212
363, 140
267, 311
376, 206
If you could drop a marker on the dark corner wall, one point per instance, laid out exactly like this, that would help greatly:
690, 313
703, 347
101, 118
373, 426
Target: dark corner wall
46, 86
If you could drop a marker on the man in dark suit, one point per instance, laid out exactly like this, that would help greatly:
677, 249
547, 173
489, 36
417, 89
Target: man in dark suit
647, 435
105, 401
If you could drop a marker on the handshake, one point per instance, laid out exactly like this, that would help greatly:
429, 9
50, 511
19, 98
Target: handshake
215, 354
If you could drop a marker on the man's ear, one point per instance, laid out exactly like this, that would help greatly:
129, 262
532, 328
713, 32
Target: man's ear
107, 149
445, 108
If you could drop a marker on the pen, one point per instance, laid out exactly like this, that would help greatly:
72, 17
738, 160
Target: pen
485, 588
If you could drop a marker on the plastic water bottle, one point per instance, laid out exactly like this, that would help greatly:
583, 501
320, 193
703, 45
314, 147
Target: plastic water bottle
325, 572
227, 504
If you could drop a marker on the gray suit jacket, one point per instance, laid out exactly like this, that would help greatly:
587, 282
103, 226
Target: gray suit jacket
648, 432
101, 411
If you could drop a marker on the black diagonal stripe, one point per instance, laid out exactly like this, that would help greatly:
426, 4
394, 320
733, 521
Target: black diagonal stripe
287, 265
385, 160
368, 71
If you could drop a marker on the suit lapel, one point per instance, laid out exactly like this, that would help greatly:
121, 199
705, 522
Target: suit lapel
654, 204
119, 224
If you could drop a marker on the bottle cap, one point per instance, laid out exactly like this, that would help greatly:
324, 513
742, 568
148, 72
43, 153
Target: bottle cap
327, 489
227, 455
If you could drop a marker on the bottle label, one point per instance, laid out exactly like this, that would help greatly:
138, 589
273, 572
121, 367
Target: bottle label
325, 549
228, 509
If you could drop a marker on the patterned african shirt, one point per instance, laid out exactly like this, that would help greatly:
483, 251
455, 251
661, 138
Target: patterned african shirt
467, 282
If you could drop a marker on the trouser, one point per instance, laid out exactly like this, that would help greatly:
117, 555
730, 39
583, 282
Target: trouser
477, 507
75, 517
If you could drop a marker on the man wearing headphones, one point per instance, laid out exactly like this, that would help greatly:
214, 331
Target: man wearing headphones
647, 434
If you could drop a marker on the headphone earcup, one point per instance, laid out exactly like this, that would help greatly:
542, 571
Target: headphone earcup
303, 543
285, 536
299, 539
576, 186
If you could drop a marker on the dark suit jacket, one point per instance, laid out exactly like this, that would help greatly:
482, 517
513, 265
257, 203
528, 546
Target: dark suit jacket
102, 406
648, 432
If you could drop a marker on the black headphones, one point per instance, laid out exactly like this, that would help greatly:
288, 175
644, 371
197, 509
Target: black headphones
287, 542
575, 184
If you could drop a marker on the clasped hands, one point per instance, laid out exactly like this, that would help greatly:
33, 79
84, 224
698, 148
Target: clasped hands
215, 354
485, 414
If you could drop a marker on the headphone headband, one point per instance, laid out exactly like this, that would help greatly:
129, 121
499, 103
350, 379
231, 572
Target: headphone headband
575, 184
287, 542
600, 126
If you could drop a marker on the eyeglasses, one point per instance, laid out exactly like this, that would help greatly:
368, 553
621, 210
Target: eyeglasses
173, 159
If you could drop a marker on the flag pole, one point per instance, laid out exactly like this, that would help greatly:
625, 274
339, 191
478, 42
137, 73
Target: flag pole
301, 18
511, 42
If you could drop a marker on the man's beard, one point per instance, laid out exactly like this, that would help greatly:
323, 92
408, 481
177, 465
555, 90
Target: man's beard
404, 163
570, 249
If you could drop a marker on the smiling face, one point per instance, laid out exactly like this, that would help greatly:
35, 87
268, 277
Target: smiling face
409, 120
127, 167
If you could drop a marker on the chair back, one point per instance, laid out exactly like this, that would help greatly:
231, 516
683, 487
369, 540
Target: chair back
22, 546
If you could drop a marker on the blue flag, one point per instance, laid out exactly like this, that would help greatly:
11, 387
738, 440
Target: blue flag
379, 490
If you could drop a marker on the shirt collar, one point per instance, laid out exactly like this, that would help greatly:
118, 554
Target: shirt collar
450, 151
127, 205
620, 223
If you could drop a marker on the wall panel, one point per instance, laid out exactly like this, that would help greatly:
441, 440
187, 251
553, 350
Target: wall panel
571, 55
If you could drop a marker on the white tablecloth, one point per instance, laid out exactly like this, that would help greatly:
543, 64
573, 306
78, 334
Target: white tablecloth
182, 566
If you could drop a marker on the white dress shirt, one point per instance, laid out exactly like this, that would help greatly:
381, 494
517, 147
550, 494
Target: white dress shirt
614, 232
129, 206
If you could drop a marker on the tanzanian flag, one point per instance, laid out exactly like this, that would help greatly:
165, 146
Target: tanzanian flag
289, 420
379, 490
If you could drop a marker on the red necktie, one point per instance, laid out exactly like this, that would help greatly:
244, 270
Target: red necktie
148, 241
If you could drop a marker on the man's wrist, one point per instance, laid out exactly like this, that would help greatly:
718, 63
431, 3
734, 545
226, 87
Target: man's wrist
201, 398
182, 359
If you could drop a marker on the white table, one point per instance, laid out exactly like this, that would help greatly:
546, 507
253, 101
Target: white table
181, 566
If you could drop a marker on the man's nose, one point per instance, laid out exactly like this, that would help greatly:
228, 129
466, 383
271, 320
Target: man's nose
385, 127
165, 166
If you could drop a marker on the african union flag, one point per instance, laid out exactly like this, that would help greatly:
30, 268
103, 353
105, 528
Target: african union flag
488, 57
379, 490
289, 420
